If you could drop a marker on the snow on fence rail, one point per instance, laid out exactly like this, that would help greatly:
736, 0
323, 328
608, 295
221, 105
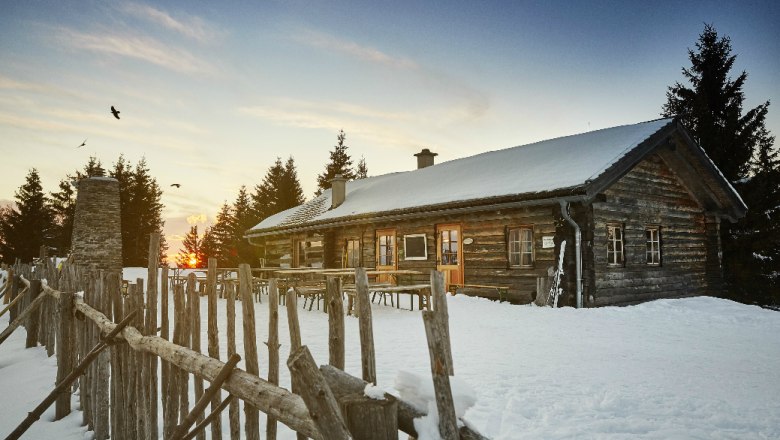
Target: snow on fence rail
70, 309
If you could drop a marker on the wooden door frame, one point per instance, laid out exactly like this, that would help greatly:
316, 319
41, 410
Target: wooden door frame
461, 259
386, 231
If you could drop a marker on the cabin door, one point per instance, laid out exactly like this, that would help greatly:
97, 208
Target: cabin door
386, 254
449, 254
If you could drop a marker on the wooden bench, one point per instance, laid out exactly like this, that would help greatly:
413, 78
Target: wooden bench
502, 291
423, 292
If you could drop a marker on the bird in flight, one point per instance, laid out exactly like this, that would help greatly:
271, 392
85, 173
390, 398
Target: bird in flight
82, 144
115, 112
176, 185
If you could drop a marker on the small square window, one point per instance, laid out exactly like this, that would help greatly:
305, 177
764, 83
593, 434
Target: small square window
521, 247
615, 245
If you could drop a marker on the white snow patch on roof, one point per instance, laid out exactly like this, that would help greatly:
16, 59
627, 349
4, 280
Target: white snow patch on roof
549, 165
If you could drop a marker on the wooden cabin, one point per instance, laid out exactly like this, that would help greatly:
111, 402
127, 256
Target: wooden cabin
638, 206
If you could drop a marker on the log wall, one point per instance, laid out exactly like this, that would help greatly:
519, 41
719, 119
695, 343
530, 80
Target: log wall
650, 194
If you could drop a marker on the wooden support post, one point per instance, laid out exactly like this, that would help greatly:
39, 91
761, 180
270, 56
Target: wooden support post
252, 423
33, 315
291, 302
184, 377
434, 331
65, 347
142, 366
368, 418
273, 349
16, 298
193, 301
67, 381
8, 286
102, 400
151, 329
367, 356
335, 303
203, 401
118, 402
315, 392
439, 295
233, 412
213, 336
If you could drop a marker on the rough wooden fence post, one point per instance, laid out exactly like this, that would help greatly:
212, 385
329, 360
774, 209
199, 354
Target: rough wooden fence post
193, 301
448, 424
252, 424
165, 333
184, 377
291, 302
233, 412
142, 364
336, 350
8, 286
34, 306
315, 392
368, 418
118, 402
213, 336
439, 295
34, 318
102, 393
273, 349
367, 354
65, 347
173, 398
151, 329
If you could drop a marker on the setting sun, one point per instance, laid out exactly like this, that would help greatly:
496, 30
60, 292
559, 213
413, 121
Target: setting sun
192, 262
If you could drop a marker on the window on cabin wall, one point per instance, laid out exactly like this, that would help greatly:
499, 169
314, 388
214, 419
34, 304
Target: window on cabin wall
449, 247
352, 253
615, 245
653, 245
521, 247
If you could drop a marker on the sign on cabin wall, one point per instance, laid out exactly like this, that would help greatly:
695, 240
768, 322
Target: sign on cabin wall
415, 247
548, 241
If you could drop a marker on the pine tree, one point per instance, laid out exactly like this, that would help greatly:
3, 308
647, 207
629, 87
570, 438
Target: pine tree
361, 172
63, 207
290, 191
207, 247
243, 220
189, 255
265, 197
742, 148
222, 235
29, 225
340, 163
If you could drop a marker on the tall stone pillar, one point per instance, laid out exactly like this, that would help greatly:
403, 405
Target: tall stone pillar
97, 232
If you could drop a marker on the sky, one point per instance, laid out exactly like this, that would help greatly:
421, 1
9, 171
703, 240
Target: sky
211, 93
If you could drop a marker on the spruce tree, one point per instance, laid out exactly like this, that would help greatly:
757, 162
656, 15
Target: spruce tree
207, 247
711, 107
222, 236
266, 194
29, 225
340, 163
243, 220
290, 191
63, 207
190, 250
361, 172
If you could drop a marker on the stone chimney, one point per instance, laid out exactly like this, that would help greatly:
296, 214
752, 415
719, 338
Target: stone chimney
425, 158
338, 188
97, 232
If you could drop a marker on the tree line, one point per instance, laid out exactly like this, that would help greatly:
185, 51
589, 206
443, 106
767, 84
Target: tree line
279, 190
40, 219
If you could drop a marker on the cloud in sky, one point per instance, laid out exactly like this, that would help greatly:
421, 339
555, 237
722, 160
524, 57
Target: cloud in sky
197, 218
137, 47
189, 26
366, 53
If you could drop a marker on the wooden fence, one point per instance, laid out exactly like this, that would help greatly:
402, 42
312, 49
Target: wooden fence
71, 310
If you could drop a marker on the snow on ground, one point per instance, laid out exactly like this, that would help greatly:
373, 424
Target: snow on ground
701, 368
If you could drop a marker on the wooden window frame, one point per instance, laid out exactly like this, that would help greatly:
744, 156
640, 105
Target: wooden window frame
425, 247
386, 233
657, 241
346, 252
620, 227
509, 241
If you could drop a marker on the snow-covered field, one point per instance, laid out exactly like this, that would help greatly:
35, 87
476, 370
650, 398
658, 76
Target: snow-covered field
701, 368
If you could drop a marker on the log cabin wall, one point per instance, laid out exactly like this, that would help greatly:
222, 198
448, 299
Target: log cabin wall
485, 258
649, 195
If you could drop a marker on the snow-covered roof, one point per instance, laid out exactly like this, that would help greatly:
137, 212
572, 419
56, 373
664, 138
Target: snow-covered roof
540, 167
